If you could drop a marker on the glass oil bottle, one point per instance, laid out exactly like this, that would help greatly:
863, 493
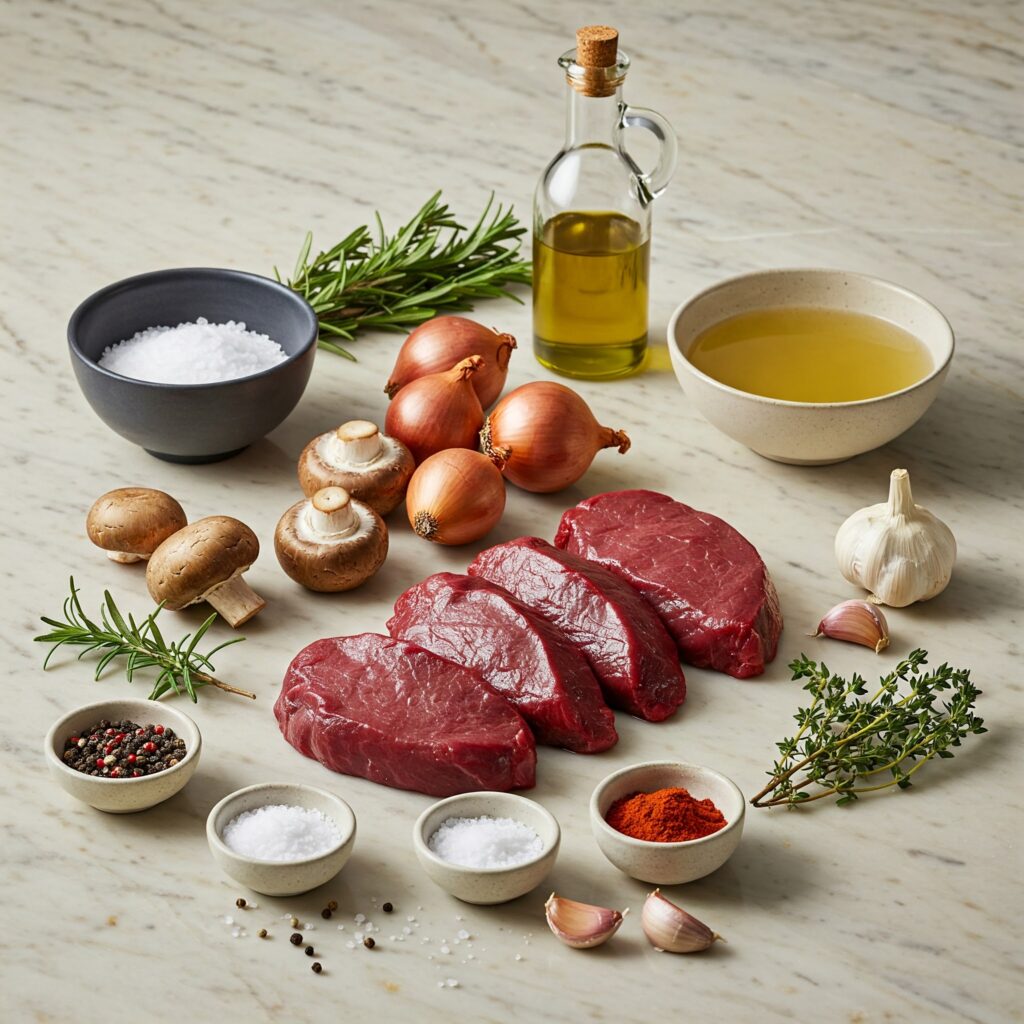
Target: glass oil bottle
592, 222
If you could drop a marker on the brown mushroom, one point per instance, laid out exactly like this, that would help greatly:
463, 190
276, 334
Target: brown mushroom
130, 523
331, 542
372, 467
205, 562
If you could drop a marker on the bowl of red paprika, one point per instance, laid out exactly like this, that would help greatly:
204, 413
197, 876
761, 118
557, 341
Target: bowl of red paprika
667, 822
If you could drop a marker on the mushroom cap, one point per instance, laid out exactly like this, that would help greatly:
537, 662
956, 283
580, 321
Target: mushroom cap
325, 565
381, 484
199, 558
135, 520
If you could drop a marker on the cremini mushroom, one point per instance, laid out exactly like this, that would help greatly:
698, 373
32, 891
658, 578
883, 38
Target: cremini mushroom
130, 523
205, 562
372, 467
331, 542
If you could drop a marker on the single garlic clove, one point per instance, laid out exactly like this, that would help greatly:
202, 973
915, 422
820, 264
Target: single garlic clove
671, 929
581, 925
858, 622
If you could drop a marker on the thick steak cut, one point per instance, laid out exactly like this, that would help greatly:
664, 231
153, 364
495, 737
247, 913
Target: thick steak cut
706, 581
389, 711
520, 655
618, 632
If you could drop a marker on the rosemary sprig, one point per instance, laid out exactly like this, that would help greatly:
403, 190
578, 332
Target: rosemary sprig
395, 282
142, 645
847, 745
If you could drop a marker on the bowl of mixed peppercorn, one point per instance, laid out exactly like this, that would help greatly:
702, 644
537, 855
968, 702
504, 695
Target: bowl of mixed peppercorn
123, 755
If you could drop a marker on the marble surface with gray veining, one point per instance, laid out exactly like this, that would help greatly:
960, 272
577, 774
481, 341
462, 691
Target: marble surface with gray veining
881, 137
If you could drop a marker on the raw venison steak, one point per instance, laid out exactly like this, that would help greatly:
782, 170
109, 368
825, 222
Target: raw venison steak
617, 631
391, 712
521, 656
706, 581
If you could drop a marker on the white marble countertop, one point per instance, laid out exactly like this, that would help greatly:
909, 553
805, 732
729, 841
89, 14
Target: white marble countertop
874, 137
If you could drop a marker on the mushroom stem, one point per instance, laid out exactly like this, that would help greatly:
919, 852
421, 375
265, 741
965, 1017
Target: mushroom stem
359, 442
125, 557
235, 601
331, 513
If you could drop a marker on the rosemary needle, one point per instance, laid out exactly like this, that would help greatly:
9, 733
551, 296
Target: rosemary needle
142, 645
431, 265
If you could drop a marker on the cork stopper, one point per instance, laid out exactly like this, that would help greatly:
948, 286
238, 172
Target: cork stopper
597, 54
597, 46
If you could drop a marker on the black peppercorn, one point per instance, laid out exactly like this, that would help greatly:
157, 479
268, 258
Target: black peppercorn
326, 913
317, 968
368, 942
240, 903
332, 905
262, 933
309, 951
387, 908
295, 939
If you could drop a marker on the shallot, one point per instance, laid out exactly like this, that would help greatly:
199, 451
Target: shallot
543, 437
438, 411
440, 343
455, 497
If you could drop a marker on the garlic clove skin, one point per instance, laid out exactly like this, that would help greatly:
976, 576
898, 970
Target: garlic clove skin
671, 929
857, 622
897, 550
581, 925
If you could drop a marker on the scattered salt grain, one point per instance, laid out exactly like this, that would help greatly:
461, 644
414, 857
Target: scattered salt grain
445, 949
485, 842
463, 934
451, 983
281, 833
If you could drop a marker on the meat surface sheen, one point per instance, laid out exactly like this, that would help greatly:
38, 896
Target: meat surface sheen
705, 580
520, 655
617, 631
391, 712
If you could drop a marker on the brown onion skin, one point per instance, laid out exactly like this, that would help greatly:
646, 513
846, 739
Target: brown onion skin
441, 342
543, 437
438, 411
455, 497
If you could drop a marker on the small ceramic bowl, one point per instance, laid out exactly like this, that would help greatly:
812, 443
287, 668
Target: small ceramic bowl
193, 422
668, 863
487, 885
809, 433
123, 796
275, 877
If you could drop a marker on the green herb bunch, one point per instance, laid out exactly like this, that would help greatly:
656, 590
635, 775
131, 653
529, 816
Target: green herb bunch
849, 743
142, 646
431, 265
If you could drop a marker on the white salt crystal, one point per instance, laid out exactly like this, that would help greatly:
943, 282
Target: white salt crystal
445, 949
359, 918
451, 983
280, 833
463, 934
193, 353
485, 842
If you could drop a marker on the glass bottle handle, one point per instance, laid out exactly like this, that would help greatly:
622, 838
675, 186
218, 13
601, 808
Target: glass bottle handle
654, 182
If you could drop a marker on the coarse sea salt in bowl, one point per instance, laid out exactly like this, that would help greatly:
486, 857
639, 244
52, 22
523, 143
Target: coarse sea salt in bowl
488, 885
194, 422
261, 840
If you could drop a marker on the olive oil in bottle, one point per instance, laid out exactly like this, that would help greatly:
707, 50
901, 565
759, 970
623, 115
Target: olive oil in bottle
590, 293
592, 221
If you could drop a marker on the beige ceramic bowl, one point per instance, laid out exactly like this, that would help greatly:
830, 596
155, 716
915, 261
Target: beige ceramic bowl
668, 863
807, 433
122, 796
275, 877
487, 885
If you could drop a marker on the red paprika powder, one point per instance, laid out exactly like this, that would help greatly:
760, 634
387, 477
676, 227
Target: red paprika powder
665, 816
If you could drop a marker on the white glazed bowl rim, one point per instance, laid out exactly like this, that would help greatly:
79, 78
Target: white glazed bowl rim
420, 839
940, 363
347, 827
648, 844
183, 725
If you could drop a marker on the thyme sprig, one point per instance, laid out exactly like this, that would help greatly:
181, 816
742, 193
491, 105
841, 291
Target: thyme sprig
848, 745
431, 265
143, 646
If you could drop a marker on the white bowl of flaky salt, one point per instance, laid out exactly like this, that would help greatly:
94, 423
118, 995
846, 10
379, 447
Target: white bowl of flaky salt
281, 839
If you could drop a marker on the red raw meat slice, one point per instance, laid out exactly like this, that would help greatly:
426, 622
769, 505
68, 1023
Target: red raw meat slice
391, 712
705, 580
617, 631
519, 655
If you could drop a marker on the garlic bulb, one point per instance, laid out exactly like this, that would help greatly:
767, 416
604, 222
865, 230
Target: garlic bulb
897, 550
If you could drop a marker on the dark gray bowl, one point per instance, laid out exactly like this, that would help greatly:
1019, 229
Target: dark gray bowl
193, 422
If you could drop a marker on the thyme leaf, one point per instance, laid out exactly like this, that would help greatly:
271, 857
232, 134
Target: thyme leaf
850, 743
431, 265
142, 645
